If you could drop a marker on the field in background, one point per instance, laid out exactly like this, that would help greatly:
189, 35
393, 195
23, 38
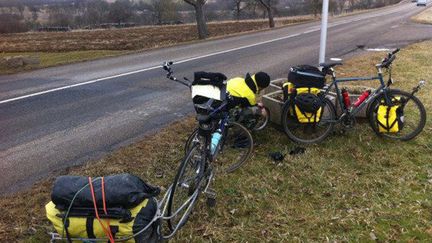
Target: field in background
352, 187
56, 48
49, 59
138, 38
424, 17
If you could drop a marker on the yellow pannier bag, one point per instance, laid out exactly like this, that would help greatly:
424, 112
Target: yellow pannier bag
303, 116
314, 91
390, 118
307, 117
82, 224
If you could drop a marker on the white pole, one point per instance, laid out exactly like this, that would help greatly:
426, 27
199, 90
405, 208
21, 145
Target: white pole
323, 40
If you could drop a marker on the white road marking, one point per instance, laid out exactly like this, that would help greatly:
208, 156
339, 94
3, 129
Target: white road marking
377, 49
189, 59
310, 31
145, 69
77, 85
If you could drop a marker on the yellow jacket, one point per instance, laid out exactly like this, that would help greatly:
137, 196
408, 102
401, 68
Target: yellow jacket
243, 90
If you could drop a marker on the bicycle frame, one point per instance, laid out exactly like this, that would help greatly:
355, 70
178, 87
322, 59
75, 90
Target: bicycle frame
354, 110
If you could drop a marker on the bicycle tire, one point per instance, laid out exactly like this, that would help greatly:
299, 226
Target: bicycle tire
197, 167
290, 123
263, 120
415, 106
224, 155
188, 144
237, 142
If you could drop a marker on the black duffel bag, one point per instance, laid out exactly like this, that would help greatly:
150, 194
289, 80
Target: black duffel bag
208, 78
306, 76
123, 191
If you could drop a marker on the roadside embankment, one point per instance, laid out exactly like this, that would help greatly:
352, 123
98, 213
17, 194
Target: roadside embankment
351, 187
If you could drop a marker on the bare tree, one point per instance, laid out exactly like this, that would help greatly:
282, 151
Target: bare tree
120, 11
96, 12
34, 10
164, 10
315, 5
341, 5
11, 23
268, 4
60, 16
352, 4
238, 8
20, 8
200, 17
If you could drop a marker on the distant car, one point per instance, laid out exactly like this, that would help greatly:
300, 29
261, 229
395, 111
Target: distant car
421, 2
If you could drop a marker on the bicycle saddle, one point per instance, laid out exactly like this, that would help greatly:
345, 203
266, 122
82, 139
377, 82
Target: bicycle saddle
327, 65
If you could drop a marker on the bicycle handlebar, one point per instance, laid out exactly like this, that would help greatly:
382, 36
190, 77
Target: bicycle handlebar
395, 51
387, 61
170, 74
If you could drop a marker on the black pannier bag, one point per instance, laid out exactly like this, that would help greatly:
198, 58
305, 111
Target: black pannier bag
306, 76
204, 78
308, 102
121, 191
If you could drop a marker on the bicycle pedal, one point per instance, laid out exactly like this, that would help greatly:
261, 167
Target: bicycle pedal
210, 193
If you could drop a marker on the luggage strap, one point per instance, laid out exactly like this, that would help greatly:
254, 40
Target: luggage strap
388, 126
106, 228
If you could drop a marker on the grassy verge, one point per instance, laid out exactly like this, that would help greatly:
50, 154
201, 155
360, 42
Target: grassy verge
425, 17
50, 59
352, 187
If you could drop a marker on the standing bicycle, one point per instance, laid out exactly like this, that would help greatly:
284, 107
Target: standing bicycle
216, 131
392, 113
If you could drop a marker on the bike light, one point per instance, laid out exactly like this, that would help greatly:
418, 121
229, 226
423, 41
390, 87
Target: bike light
422, 83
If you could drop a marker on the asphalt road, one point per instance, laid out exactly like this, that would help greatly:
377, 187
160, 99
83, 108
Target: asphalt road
54, 118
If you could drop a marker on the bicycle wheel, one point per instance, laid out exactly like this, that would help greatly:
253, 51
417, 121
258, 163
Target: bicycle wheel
308, 133
186, 188
262, 121
414, 115
236, 148
188, 145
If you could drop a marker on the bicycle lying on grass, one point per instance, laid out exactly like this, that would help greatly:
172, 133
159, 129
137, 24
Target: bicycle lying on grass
392, 113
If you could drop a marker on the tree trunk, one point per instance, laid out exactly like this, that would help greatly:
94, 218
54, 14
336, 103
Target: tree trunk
270, 17
238, 10
268, 6
201, 22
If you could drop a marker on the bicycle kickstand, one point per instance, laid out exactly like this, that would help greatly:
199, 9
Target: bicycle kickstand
211, 197
210, 193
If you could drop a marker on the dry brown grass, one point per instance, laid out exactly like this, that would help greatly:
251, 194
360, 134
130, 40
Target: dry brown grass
23, 214
138, 38
353, 187
50, 59
425, 17
56, 48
